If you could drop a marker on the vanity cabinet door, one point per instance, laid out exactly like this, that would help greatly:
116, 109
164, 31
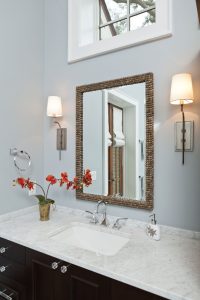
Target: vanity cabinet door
121, 291
74, 284
42, 281
87, 285
61, 286
47, 283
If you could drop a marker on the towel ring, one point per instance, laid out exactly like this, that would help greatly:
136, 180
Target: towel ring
17, 153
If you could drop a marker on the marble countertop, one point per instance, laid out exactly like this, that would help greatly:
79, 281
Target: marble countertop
169, 268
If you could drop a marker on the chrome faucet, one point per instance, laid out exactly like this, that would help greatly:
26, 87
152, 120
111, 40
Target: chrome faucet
104, 211
117, 223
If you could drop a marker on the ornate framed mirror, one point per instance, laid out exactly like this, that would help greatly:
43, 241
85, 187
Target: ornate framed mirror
115, 140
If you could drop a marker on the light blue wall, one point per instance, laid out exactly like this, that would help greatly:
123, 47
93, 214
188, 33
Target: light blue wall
21, 93
177, 188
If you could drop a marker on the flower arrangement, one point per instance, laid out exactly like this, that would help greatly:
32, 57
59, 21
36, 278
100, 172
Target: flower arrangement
43, 199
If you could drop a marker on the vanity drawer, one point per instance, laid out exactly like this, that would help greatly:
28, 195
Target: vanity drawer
8, 293
13, 289
12, 270
12, 251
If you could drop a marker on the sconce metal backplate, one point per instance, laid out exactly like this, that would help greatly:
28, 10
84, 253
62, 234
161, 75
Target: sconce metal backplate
61, 139
189, 136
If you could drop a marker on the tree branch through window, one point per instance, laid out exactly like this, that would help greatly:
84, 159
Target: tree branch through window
142, 3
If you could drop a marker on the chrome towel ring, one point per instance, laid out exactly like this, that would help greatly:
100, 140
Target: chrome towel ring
23, 155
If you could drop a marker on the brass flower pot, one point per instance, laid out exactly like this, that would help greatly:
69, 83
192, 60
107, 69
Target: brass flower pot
44, 211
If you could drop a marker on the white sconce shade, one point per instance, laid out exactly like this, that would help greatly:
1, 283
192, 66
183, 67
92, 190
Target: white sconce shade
181, 89
182, 93
54, 107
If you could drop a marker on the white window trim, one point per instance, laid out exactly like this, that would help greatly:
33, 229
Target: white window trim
161, 29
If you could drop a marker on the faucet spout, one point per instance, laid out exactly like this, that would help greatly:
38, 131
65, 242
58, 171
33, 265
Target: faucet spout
104, 212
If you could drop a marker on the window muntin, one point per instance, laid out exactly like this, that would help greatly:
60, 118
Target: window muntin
142, 20
114, 29
119, 16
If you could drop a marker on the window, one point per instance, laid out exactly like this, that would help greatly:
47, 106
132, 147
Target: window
120, 16
99, 26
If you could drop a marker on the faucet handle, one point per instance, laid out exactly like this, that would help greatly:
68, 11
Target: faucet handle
116, 224
94, 219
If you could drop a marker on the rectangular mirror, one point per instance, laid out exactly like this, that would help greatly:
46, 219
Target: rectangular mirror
114, 139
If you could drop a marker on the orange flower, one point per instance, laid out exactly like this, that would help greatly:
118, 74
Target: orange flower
69, 184
51, 179
75, 183
64, 178
29, 184
87, 178
21, 181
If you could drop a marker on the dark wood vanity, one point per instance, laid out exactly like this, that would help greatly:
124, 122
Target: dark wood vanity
26, 274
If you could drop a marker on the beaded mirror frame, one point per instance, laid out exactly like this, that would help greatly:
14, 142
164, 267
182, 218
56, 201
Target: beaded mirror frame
146, 78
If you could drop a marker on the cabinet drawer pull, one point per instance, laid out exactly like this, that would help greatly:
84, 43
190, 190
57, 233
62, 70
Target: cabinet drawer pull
54, 265
3, 269
64, 269
5, 296
3, 250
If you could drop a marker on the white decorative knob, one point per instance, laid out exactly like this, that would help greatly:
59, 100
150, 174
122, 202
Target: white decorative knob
3, 269
2, 250
54, 265
63, 269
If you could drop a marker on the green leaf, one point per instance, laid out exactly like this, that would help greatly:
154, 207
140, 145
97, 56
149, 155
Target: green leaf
50, 201
41, 199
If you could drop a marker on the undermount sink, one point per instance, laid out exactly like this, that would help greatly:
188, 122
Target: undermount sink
91, 239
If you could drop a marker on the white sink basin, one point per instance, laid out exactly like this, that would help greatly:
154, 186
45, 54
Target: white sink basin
91, 239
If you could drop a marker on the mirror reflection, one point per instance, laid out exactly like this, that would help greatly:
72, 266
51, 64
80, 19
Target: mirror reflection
114, 145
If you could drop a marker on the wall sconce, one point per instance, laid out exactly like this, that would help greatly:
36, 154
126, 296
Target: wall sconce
182, 93
54, 110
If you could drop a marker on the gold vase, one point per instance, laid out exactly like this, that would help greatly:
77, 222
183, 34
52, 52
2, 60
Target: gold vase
44, 211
